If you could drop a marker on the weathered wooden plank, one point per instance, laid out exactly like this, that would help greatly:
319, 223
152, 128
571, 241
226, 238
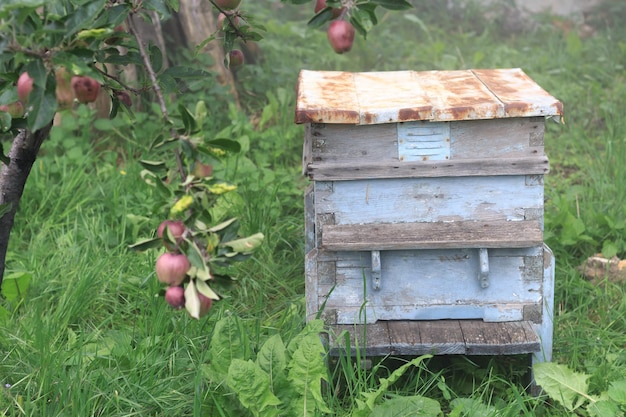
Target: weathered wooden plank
369, 339
429, 169
309, 219
444, 199
439, 337
311, 284
498, 138
358, 144
435, 235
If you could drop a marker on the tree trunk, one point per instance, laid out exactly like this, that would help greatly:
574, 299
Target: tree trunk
22, 155
198, 23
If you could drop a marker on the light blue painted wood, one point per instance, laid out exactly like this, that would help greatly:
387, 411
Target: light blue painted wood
433, 284
423, 141
401, 200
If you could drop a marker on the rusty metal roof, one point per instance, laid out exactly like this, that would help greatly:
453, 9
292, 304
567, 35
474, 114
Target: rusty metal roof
400, 96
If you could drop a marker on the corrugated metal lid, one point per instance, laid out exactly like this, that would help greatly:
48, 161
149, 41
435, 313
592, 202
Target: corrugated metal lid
400, 96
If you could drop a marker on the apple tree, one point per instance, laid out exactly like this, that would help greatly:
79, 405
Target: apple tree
56, 55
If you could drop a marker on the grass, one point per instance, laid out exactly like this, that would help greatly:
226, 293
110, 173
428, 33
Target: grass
93, 339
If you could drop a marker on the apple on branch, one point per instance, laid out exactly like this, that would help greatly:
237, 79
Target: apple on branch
341, 36
85, 88
24, 87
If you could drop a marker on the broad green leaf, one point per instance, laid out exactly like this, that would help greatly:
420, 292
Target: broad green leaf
222, 225
247, 244
229, 342
562, 384
363, 20
272, 359
225, 144
252, 385
204, 289
83, 17
393, 4
306, 371
188, 121
5, 125
43, 104
603, 408
146, 244
154, 166
195, 255
473, 407
321, 18
617, 392
192, 302
409, 406
15, 285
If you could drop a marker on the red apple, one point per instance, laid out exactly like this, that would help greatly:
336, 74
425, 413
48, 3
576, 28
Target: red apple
85, 88
16, 109
222, 20
205, 304
341, 36
236, 58
64, 93
171, 268
176, 230
175, 296
228, 4
321, 5
124, 97
24, 87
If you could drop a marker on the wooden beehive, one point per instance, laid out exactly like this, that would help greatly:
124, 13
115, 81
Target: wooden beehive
424, 219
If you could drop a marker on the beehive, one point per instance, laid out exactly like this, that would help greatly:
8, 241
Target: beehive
424, 218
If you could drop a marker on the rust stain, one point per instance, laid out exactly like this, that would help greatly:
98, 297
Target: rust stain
399, 96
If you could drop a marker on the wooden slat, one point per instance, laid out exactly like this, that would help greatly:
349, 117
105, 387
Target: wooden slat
436, 235
430, 169
439, 337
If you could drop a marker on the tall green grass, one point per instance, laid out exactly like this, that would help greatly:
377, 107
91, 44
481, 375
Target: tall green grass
92, 337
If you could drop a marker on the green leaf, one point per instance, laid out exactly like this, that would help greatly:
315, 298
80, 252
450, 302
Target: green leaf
246, 244
409, 406
192, 302
5, 125
15, 285
204, 289
272, 359
225, 144
42, 103
321, 18
393, 4
307, 370
222, 225
252, 385
188, 121
146, 244
473, 407
229, 342
617, 392
603, 408
154, 166
562, 384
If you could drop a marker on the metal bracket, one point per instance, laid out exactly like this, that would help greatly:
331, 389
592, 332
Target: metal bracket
483, 261
376, 274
